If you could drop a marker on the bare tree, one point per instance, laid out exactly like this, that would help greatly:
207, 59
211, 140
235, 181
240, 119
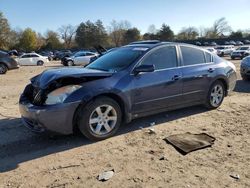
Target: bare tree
117, 31
152, 29
67, 33
188, 33
219, 29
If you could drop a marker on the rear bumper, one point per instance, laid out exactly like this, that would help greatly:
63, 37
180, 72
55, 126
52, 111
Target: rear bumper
54, 118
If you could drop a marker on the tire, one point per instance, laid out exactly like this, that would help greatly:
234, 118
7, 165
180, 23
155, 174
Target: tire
97, 130
70, 63
222, 54
40, 63
3, 69
215, 95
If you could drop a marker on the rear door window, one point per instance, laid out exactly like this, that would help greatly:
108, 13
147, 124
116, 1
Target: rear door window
192, 56
25, 56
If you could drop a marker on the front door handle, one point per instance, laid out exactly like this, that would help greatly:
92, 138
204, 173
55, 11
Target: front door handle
211, 70
176, 77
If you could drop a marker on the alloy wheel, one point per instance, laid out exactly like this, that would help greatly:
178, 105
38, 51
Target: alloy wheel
216, 96
103, 120
2, 69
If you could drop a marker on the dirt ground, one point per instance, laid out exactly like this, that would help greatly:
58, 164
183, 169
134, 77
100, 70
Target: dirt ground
30, 160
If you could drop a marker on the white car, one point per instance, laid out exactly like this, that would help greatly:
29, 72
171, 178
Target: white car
214, 51
32, 59
79, 58
224, 50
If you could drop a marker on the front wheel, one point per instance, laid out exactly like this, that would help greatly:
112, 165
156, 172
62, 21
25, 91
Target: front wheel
3, 69
99, 119
215, 95
40, 63
70, 63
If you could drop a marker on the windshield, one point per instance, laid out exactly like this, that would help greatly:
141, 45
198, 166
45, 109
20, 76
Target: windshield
243, 48
118, 59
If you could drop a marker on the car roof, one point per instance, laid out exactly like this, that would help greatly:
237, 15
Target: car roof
30, 54
145, 44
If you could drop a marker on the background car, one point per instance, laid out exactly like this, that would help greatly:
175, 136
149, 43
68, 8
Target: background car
231, 42
241, 52
129, 82
6, 62
213, 44
47, 54
246, 41
245, 68
32, 59
224, 50
79, 58
212, 50
59, 55
239, 43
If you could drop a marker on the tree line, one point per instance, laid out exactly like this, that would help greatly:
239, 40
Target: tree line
88, 34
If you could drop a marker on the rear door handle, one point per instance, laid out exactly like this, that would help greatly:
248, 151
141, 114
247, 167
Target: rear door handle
176, 77
211, 70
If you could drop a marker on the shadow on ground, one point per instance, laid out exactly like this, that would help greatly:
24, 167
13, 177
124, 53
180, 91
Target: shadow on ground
242, 86
18, 144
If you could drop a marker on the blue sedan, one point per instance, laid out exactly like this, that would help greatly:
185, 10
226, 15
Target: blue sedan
133, 81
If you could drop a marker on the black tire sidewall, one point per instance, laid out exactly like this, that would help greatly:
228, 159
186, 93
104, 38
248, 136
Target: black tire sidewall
208, 102
84, 112
4, 68
40, 63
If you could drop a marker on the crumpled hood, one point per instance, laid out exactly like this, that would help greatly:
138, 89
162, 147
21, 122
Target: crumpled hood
44, 79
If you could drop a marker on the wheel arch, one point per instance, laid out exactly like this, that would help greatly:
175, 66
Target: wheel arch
5, 64
225, 83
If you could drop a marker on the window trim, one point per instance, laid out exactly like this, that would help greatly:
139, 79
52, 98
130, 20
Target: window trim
153, 50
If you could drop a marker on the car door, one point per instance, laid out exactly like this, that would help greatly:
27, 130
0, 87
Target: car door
197, 70
80, 58
159, 89
25, 59
34, 59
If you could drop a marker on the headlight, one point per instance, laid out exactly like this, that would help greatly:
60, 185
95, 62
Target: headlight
59, 95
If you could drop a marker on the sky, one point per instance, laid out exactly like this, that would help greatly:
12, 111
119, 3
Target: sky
41, 15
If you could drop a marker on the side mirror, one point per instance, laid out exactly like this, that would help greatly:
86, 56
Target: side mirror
144, 68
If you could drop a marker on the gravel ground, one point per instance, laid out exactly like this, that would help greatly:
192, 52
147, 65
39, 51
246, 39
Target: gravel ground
30, 160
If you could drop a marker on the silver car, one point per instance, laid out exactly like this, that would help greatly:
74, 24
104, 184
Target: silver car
245, 68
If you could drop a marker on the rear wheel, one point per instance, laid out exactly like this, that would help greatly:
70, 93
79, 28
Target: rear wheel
215, 95
99, 119
3, 69
70, 63
40, 63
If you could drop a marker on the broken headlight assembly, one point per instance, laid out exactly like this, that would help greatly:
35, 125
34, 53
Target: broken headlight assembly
59, 95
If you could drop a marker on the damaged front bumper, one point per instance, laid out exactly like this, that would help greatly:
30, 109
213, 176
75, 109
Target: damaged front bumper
52, 118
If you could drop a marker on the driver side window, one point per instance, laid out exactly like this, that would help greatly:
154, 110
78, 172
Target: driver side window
162, 58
